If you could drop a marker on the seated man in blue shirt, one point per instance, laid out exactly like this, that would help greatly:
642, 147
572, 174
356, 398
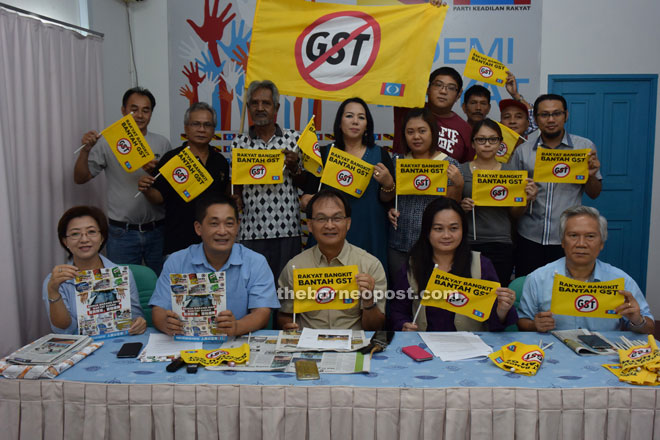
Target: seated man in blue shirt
250, 285
583, 233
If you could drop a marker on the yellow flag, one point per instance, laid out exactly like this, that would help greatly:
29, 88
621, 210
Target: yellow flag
509, 142
325, 288
346, 172
592, 300
465, 296
640, 355
484, 68
519, 358
217, 356
499, 188
561, 166
309, 144
186, 174
256, 167
337, 51
421, 176
127, 144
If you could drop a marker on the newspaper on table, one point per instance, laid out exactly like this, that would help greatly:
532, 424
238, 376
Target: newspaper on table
50, 349
456, 346
197, 298
103, 302
571, 340
288, 341
325, 339
264, 356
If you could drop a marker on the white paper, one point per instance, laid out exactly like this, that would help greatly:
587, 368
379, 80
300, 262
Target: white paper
456, 346
325, 339
162, 347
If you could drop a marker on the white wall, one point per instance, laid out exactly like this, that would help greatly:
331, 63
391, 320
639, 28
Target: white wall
613, 37
149, 27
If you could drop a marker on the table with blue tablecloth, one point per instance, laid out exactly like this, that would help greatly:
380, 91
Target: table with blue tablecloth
102, 396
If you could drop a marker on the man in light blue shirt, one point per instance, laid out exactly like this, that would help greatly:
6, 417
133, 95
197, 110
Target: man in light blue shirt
250, 284
583, 233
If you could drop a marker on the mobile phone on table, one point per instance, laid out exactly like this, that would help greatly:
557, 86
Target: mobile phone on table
307, 370
130, 350
594, 341
417, 353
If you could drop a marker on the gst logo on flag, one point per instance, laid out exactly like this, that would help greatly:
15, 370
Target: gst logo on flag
477, 313
392, 89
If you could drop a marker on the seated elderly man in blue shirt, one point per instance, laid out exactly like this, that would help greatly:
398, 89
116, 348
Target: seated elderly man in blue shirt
250, 285
583, 233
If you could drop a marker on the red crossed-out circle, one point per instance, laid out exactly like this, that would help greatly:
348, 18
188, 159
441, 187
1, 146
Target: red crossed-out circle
502, 150
458, 299
124, 146
180, 175
307, 70
587, 303
559, 165
344, 177
485, 71
499, 192
422, 182
258, 171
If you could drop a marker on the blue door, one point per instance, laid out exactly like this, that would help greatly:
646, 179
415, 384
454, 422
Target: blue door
617, 112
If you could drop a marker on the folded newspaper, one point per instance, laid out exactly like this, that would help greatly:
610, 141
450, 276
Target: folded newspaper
264, 356
288, 341
47, 357
571, 340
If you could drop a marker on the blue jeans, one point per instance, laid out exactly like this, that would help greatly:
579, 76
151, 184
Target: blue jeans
134, 247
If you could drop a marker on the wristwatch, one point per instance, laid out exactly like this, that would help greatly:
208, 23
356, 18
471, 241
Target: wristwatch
371, 306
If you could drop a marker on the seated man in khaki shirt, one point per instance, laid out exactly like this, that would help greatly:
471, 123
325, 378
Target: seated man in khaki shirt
329, 217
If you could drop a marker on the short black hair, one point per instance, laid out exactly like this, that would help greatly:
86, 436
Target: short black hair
205, 200
449, 71
548, 97
328, 193
140, 91
82, 211
476, 90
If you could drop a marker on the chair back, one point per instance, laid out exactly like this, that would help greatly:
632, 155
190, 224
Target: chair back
517, 286
145, 278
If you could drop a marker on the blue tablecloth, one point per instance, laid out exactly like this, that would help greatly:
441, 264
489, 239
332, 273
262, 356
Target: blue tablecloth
390, 369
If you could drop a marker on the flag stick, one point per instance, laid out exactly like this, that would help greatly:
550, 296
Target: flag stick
140, 192
243, 109
396, 205
474, 224
417, 313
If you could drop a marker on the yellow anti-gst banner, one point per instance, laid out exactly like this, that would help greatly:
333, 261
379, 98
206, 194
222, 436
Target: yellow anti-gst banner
484, 68
309, 145
520, 358
347, 173
593, 300
333, 52
499, 188
186, 174
421, 176
256, 167
466, 296
561, 166
641, 356
509, 142
217, 356
326, 288
127, 144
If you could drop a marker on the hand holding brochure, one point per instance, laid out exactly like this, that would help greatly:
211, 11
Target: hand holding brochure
198, 298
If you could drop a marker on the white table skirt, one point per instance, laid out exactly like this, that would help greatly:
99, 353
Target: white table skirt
73, 410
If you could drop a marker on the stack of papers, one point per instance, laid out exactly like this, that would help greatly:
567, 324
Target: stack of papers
325, 339
49, 350
162, 348
456, 346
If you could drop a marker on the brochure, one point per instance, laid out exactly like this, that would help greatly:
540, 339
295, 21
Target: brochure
197, 298
103, 302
